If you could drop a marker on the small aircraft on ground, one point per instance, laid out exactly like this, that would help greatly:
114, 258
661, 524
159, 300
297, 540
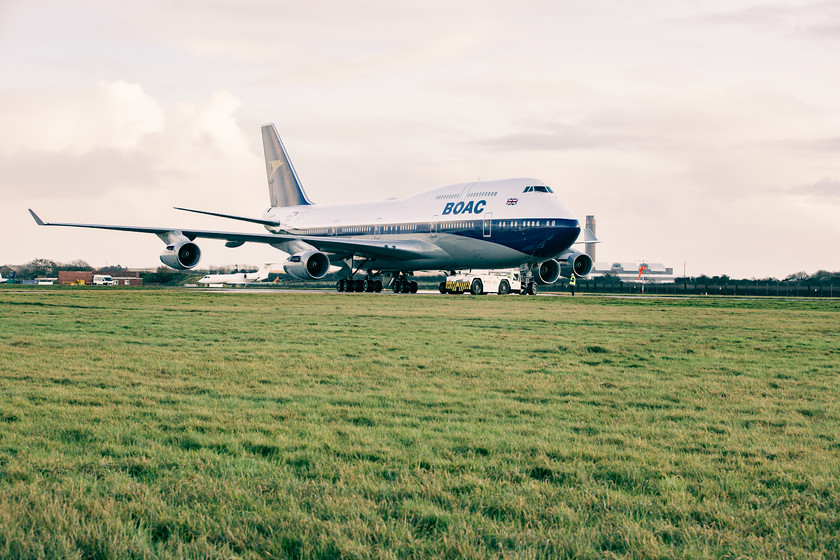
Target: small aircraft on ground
241, 278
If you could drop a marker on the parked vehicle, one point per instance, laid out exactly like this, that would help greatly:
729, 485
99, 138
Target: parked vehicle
478, 282
103, 280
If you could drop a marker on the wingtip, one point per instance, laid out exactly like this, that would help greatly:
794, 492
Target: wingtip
38, 220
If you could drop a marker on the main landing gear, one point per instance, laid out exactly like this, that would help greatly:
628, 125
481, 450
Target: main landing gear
401, 284
368, 284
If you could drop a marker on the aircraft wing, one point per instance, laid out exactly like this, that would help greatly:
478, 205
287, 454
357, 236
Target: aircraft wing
408, 249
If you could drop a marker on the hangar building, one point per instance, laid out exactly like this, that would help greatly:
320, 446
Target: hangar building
126, 278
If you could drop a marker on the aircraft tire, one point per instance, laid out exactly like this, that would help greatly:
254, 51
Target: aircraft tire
339, 286
396, 287
532, 288
442, 287
378, 287
504, 288
413, 287
367, 285
477, 287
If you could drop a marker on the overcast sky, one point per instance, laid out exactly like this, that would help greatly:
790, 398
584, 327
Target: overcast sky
701, 132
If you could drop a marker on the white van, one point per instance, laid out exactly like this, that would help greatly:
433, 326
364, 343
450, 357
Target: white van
103, 280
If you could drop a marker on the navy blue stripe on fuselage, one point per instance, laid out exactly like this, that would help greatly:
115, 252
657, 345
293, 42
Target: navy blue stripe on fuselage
537, 237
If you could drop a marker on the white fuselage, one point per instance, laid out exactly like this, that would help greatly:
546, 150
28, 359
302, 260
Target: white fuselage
237, 278
489, 224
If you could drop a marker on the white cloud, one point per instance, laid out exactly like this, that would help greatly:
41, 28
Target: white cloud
825, 187
111, 153
110, 115
117, 132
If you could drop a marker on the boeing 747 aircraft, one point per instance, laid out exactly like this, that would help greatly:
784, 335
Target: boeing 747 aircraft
491, 224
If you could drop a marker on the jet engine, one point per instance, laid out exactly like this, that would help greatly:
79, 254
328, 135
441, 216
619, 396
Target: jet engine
182, 255
307, 265
546, 272
575, 262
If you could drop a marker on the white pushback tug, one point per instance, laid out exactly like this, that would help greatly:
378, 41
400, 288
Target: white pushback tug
479, 282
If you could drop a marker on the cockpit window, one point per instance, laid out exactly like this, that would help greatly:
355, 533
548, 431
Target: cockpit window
538, 188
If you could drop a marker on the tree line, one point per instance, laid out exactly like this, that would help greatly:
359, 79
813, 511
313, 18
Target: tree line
47, 268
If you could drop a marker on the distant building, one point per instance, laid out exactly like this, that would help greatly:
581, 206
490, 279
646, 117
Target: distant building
625, 271
66, 277
126, 278
629, 271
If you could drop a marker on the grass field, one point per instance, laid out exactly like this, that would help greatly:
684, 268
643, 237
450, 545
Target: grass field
170, 423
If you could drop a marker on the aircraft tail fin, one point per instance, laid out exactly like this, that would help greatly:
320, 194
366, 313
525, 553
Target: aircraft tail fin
283, 184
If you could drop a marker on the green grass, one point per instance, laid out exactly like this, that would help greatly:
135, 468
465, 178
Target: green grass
170, 423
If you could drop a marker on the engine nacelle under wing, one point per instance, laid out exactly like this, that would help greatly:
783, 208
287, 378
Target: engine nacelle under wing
575, 262
182, 255
547, 272
307, 265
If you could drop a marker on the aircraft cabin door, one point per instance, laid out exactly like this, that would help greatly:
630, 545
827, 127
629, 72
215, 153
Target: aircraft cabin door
488, 224
434, 226
377, 228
